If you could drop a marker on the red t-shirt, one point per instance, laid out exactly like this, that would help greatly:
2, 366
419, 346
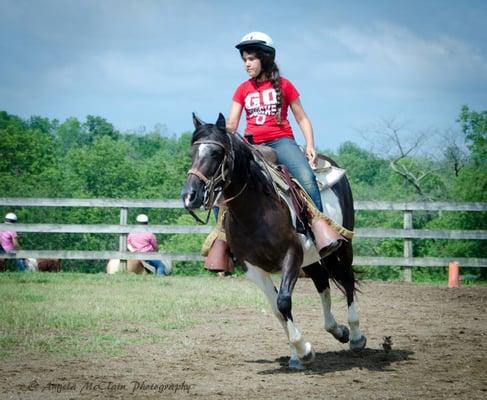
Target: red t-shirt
260, 104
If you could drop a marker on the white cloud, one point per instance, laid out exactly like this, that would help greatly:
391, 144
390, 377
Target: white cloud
397, 56
138, 61
147, 73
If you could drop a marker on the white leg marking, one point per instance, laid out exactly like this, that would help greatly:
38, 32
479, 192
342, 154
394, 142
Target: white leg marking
353, 322
330, 322
299, 348
295, 339
263, 280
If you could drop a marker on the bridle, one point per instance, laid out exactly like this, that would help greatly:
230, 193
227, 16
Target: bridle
213, 186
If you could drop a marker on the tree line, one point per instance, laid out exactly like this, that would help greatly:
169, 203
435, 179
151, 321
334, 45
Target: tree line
44, 157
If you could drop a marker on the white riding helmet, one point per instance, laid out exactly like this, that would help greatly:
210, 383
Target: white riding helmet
260, 40
142, 219
11, 217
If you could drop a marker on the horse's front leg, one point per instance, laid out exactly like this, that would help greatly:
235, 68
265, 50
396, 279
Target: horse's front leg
263, 280
290, 272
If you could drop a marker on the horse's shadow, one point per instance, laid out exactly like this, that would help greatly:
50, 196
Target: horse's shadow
334, 361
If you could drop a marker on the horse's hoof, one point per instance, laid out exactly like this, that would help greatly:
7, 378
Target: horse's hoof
340, 333
359, 344
309, 357
345, 334
294, 363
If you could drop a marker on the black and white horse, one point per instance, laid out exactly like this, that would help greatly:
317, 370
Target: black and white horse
261, 234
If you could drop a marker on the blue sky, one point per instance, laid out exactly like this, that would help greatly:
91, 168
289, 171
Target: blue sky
147, 62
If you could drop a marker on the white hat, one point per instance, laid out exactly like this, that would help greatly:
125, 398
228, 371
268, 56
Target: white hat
253, 38
142, 219
11, 217
257, 39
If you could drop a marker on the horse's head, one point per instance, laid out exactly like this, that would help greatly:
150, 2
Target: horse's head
211, 157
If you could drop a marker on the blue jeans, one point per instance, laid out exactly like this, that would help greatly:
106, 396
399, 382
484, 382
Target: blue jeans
20, 264
158, 265
289, 154
18, 261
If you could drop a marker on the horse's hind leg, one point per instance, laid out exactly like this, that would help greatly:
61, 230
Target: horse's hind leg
339, 266
320, 278
290, 272
264, 282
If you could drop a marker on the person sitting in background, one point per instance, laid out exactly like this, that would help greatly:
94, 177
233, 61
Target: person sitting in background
9, 242
143, 242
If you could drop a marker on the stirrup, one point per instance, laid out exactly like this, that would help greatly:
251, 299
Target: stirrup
218, 259
331, 248
327, 240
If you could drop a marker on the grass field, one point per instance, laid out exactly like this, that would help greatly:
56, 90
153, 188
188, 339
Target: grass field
87, 336
74, 313
70, 314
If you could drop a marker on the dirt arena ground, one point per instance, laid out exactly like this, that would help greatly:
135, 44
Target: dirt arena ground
439, 348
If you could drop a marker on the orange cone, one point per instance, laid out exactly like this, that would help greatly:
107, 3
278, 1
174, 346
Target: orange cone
453, 274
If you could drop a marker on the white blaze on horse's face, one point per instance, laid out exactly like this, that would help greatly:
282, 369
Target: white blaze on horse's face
204, 150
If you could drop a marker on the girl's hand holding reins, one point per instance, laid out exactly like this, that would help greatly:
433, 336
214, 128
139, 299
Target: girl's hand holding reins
312, 156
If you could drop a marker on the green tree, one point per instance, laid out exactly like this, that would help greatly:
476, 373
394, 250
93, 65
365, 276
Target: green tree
42, 124
104, 169
24, 151
474, 126
71, 134
99, 127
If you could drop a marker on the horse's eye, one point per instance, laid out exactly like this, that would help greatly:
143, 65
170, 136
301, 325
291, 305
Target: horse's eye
214, 152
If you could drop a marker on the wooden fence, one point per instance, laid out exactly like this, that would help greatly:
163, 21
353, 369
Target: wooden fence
408, 234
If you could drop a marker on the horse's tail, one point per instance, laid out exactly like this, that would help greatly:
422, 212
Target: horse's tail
340, 269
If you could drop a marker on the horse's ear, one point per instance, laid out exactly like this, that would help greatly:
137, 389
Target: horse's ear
196, 121
220, 123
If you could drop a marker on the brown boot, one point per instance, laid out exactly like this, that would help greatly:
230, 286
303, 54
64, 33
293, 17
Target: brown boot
218, 259
326, 238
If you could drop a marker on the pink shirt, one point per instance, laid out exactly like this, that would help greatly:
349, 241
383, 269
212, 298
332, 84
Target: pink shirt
7, 240
142, 241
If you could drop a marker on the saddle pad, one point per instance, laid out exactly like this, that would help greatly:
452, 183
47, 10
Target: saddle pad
326, 174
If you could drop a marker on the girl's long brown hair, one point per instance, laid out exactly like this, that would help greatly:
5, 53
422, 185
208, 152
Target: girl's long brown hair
271, 71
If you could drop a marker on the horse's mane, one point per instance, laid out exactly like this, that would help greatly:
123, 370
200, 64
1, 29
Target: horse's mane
245, 167
245, 156
205, 131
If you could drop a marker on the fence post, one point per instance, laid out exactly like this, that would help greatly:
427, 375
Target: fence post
453, 274
408, 245
123, 237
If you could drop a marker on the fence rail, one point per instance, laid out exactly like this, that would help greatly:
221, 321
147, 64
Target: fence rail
359, 232
152, 203
122, 229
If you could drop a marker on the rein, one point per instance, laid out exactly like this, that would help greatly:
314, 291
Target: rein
212, 190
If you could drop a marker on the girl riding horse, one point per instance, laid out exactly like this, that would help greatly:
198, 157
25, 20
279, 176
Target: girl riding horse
266, 97
261, 234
